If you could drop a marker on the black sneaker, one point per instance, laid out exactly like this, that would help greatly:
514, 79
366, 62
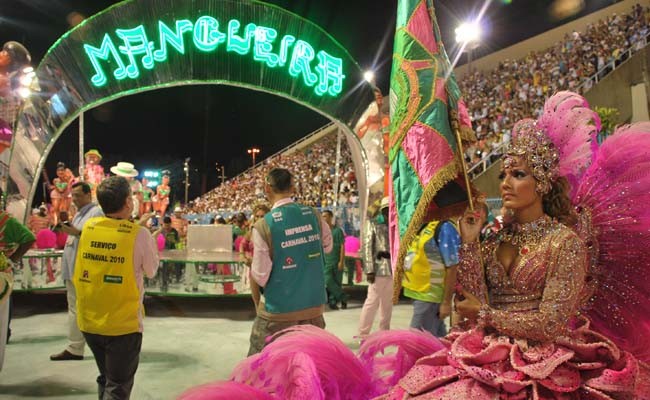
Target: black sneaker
333, 306
344, 305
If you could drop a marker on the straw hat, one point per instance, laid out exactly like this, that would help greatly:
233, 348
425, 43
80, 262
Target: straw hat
93, 152
124, 169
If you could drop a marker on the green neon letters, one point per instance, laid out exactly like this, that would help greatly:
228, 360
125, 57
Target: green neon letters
326, 77
206, 34
103, 53
238, 44
302, 56
173, 38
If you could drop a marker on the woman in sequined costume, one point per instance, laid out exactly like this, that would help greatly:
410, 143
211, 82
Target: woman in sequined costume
555, 305
522, 291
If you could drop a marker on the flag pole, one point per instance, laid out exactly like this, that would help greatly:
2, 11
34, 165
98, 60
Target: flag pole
461, 155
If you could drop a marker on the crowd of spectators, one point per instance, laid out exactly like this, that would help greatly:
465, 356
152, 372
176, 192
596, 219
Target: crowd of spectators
517, 89
314, 168
496, 99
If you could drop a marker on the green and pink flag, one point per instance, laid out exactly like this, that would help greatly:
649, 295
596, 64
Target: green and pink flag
425, 169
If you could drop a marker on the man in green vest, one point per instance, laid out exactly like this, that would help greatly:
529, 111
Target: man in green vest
334, 262
113, 256
430, 275
288, 262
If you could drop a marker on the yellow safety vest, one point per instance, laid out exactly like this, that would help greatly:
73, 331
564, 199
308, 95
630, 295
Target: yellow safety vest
421, 275
108, 299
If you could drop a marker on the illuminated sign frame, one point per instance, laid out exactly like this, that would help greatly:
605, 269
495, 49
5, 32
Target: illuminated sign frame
141, 45
295, 54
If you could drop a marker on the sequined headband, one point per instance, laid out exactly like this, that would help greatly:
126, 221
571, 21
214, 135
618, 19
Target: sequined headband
539, 152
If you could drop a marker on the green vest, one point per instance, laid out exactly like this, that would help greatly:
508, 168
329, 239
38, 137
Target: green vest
296, 281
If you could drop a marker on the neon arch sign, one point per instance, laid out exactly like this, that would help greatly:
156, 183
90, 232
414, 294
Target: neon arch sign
296, 55
141, 45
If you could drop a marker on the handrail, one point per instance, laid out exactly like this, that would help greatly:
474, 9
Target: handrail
485, 161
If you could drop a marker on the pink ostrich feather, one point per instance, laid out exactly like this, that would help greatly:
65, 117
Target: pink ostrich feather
225, 391
389, 355
616, 189
572, 126
306, 362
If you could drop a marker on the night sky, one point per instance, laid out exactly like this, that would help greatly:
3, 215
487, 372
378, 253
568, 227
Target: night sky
218, 123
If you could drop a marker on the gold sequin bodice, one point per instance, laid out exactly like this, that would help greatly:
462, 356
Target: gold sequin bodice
539, 293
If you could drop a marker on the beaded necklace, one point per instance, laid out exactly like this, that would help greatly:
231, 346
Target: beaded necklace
527, 235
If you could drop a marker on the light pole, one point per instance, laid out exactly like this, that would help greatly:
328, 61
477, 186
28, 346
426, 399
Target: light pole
253, 152
468, 35
186, 169
221, 170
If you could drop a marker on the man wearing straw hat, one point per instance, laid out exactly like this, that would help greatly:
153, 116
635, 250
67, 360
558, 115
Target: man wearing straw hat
128, 171
93, 172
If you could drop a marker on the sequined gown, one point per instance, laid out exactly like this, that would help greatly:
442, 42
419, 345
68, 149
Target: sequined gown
530, 341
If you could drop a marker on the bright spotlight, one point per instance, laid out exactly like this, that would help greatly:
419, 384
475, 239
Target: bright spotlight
369, 76
468, 32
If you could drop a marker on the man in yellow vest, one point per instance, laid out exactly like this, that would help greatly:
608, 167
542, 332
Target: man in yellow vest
113, 256
430, 275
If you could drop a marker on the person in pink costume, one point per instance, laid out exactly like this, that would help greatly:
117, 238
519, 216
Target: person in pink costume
46, 240
93, 171
353, 265
555, 305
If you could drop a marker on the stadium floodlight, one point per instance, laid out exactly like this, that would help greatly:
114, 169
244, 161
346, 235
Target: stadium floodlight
468, 33
369, 76
253, 152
